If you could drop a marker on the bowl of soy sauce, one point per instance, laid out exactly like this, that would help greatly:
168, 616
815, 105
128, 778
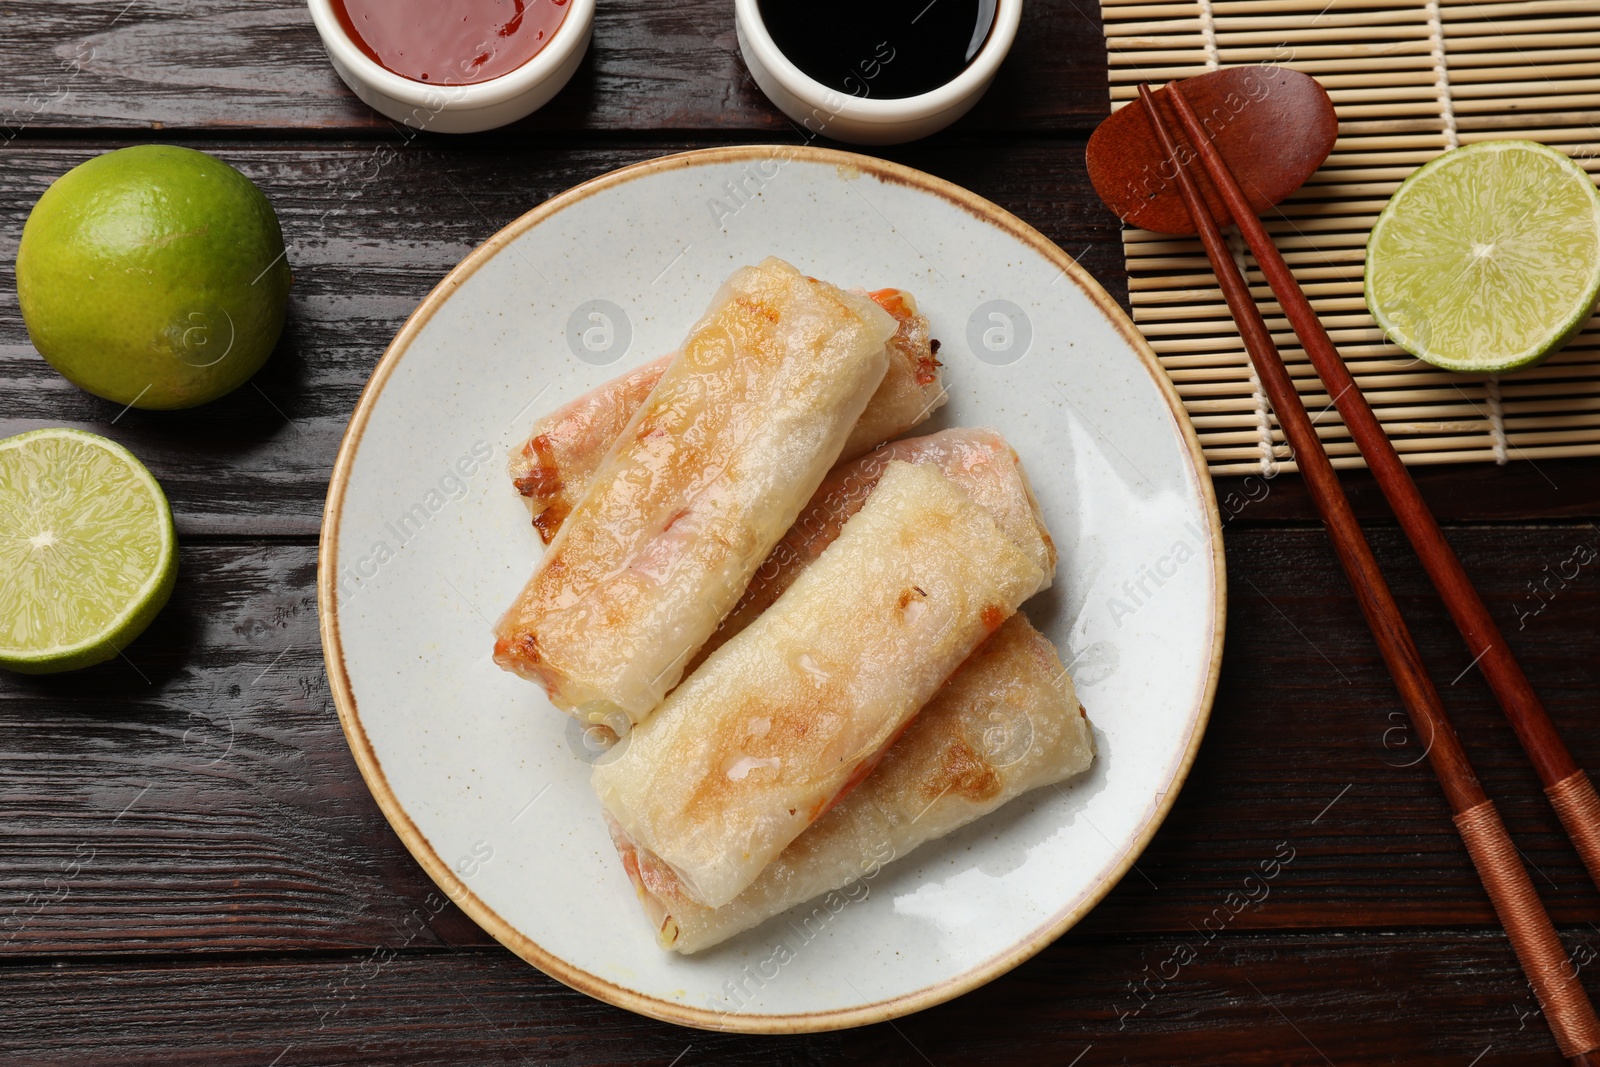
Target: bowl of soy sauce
889, 71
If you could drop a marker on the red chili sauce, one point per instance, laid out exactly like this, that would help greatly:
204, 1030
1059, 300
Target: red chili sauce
450, 42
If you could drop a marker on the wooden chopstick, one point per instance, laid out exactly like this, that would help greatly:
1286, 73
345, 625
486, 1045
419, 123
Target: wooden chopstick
1569, 789
1544, 961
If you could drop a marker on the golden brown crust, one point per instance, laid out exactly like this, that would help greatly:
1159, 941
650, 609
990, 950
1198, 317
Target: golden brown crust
553, 468
976, 458
700, 485
960, 758
783, 721
963, 772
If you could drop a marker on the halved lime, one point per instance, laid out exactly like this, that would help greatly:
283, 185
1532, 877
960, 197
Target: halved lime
87, 548
1488, 258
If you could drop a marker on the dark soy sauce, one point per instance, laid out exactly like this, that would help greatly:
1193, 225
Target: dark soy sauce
883, 49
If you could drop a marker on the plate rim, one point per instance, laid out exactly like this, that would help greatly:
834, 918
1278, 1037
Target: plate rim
417, 843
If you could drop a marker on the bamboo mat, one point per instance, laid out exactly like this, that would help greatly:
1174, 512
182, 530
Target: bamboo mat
1410, 79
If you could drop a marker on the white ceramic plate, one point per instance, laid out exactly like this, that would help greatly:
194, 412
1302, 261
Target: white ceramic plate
424, 543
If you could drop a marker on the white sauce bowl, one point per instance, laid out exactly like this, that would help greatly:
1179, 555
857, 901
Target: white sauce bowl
863, 120
459, 108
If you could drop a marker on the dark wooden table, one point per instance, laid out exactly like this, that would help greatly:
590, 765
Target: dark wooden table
191, 871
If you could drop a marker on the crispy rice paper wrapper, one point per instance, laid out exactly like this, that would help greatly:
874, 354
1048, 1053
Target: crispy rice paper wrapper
979, 461
553, 467
788, 716
707, 476
1007, 722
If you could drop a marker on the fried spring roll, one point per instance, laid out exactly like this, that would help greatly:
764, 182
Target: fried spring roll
1008, 721
707, 476
787, 717
978, 460
553, 467
911, 389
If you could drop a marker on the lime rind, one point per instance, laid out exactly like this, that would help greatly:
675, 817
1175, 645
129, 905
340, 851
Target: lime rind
153, 276
1487, 259
112, 550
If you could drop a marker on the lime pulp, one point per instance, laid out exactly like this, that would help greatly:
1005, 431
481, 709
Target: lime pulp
88, 548
1487, 259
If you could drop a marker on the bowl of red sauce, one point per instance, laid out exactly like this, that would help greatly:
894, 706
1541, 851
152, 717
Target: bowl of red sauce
455, 66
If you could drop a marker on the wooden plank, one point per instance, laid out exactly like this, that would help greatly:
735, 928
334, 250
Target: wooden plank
191, 871
169, 65
196, 792
198, 796
1307, 721
1269, 1000
371, 229
1274, 1000
420, 1009
1522, 490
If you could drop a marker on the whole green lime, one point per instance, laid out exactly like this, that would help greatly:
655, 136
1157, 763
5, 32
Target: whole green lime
153, 276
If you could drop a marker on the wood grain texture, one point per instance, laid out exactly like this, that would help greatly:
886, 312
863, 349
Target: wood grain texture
1470, 492
1280, 1000
1263, 1000
192, 872
370, 230
197, 796
229, 65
